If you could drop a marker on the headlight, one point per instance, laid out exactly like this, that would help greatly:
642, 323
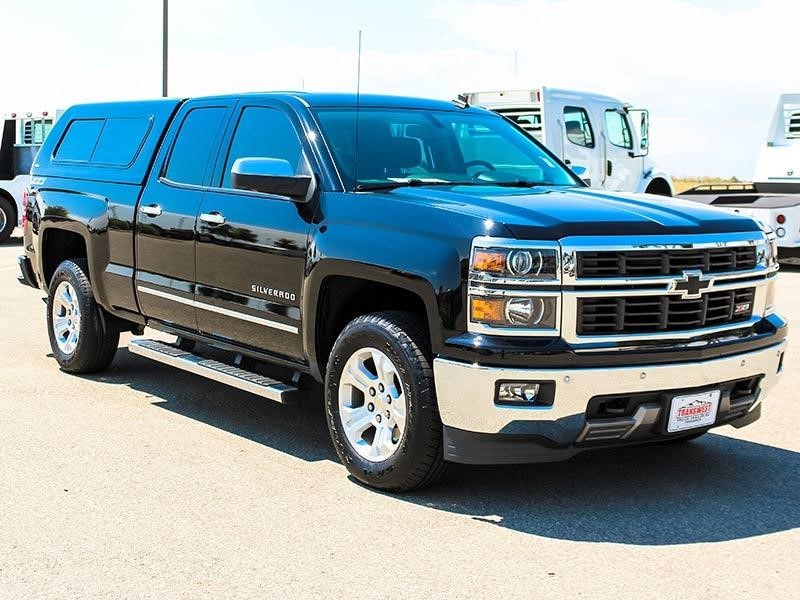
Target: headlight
528, 312
514, 264
514, 287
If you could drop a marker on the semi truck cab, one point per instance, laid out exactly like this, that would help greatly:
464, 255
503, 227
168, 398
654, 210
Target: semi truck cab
604, 139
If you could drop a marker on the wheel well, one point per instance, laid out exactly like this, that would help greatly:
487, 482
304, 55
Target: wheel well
342, 299
10, 198
659, 187
58, 246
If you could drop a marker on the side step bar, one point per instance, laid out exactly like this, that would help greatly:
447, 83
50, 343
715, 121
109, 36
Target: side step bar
213, 369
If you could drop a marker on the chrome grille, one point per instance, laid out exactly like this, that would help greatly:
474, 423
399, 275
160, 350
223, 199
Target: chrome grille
653, 263
651, 314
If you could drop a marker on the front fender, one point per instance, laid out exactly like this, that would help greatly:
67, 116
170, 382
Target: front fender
430, 267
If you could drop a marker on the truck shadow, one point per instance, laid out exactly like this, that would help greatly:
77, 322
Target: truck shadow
713, 489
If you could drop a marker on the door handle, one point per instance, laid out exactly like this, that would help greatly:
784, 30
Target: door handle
151, 210
609, 167
213, 218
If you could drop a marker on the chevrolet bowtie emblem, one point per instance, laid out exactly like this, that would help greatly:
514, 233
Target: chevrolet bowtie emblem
691, 285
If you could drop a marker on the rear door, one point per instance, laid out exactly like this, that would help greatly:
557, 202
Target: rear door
167, 210
251, 246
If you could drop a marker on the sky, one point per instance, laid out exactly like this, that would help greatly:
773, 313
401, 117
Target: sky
709, 71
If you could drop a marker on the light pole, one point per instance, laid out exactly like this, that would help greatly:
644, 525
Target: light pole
164, 48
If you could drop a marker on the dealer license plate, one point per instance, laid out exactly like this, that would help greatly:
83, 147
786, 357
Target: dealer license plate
693, 411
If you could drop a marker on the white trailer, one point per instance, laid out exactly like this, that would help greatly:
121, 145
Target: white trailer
21, 135
603, 139
774, 195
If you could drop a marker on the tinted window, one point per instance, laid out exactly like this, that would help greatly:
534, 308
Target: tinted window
121, 140
79, 140
192, 148
619, 133
440, 145
577, 126
263, 133
114, 142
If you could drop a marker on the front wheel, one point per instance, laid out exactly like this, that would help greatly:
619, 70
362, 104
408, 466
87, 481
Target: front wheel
80, 337
381, 403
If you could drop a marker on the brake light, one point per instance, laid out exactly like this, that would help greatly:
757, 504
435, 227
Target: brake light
781, 219
24, 207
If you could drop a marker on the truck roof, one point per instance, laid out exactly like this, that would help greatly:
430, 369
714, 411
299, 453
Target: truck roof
343, 100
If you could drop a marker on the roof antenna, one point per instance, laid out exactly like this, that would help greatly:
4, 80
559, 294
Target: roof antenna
358, 108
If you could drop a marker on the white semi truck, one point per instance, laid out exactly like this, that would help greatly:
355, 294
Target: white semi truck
603, 139
21, 135
773, 197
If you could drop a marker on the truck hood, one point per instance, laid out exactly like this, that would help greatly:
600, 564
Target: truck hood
553, 212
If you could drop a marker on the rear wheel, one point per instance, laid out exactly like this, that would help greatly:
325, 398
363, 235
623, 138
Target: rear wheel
8, 219
381, 404
80, 338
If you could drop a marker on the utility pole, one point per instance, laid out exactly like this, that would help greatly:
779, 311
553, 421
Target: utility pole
164, 48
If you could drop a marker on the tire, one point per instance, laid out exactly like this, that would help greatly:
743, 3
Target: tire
8, 219
92, 347
407, 457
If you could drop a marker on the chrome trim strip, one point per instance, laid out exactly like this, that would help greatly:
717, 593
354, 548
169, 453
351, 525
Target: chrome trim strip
465, 391
219, 310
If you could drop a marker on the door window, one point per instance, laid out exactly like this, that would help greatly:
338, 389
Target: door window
577, 127
263, 133
194, 145
619, 133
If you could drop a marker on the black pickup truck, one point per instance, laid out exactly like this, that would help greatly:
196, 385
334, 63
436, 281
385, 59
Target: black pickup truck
459, 292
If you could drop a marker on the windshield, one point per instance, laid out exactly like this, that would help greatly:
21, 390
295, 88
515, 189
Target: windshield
430, 146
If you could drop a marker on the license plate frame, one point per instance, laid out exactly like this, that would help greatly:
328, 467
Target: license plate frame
693, 411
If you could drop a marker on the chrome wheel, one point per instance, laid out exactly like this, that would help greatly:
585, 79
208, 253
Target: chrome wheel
372, 404
3, 219
66, 318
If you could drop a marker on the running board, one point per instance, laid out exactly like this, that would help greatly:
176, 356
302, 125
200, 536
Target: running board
215, 370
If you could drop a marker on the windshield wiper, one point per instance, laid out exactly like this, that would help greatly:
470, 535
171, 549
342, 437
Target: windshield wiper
392, 185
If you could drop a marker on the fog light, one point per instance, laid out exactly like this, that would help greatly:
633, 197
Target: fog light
518, 392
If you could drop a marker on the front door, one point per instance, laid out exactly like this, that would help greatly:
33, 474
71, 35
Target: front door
581, 146
165, 220
619, 164
251, 247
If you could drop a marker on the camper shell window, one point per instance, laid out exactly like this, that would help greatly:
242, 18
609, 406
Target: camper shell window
112, 142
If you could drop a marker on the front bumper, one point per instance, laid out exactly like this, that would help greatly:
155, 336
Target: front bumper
479, 431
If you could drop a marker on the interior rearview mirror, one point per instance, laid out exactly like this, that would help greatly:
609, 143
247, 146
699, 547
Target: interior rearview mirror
270, 176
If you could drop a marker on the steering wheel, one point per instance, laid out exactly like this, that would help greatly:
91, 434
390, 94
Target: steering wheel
479, 163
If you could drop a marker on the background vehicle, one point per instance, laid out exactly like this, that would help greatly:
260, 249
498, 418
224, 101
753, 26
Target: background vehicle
21, 135
460, 294
774, 195
606, 137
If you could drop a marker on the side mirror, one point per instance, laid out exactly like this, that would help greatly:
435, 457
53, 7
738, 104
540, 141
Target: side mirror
641, 125
270, 176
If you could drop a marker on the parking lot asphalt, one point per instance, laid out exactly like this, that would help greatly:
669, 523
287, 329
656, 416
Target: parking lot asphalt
145, 481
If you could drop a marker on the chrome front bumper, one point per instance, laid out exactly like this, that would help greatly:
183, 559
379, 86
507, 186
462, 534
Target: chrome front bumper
466, 392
